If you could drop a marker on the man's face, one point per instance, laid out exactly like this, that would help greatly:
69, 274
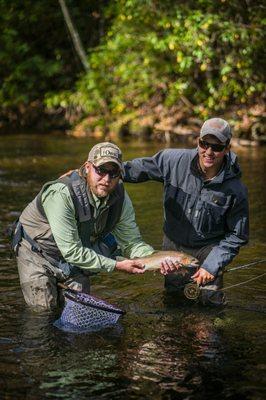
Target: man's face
210, 159
102, 180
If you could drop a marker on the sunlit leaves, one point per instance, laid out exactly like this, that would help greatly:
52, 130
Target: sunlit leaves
208, 51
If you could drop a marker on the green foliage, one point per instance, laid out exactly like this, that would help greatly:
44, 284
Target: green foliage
210, 52
36, 52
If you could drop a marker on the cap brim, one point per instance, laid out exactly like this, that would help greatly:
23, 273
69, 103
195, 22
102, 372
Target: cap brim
219, 136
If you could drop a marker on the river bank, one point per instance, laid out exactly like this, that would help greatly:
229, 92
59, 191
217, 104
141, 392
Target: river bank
177, 124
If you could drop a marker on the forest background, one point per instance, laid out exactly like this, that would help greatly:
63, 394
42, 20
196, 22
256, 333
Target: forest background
151, 67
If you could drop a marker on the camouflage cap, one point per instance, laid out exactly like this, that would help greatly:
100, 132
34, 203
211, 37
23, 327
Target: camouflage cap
217, 127
105, 152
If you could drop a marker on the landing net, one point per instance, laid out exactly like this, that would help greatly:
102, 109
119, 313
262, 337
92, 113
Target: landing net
83, 312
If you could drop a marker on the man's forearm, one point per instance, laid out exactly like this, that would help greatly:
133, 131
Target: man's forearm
86, 258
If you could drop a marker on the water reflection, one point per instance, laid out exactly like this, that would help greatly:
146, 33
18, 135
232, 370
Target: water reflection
51, 362
170, 361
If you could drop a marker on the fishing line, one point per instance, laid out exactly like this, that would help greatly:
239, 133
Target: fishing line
242, 283
192, 289
242, 267
246, 265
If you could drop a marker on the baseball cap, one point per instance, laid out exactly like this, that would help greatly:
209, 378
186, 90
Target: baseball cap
105, 152
217, 127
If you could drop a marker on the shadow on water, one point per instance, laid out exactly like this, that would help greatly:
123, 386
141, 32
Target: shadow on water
165, 348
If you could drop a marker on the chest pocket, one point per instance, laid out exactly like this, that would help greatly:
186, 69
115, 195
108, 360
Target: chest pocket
212, 213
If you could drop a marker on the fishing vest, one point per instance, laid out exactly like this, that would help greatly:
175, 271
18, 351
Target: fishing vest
36, 225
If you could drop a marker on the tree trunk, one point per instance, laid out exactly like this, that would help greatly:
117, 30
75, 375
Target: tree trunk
74, 35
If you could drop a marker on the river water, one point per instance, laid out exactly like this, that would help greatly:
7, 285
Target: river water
161, 349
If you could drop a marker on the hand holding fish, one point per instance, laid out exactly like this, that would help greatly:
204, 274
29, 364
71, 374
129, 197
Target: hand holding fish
169, 265
130, 266
202, 276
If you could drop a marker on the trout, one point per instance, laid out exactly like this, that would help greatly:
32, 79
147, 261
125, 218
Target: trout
153, 262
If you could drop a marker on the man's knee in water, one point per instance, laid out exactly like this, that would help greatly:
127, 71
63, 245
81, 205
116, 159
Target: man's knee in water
210, 297
41, 293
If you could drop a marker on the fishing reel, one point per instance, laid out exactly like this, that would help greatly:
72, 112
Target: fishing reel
192, 291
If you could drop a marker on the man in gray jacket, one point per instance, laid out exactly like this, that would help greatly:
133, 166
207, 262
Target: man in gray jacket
205, 205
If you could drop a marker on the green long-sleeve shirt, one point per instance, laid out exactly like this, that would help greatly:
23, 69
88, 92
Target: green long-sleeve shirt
60, 212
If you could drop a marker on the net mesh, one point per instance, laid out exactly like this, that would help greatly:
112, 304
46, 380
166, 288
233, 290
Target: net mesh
83, 312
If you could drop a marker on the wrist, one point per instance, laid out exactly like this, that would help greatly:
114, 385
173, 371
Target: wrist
117, 265
109, 265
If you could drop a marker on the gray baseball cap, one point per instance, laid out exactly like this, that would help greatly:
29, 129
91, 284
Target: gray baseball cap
106, 152
217, 127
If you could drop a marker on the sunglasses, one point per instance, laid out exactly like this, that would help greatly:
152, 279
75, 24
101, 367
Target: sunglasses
214, 146
102, 171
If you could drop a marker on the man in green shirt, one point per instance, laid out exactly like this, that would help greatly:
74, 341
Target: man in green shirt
63, 235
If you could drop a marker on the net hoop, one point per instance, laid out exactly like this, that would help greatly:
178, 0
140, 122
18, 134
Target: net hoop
107, 308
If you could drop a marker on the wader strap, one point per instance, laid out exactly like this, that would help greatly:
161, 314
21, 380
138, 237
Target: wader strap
81, 201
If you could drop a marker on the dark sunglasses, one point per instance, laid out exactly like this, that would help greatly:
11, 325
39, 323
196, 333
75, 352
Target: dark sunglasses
112, 173
214, 146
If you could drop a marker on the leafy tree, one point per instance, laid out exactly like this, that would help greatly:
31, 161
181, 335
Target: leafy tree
209, 52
